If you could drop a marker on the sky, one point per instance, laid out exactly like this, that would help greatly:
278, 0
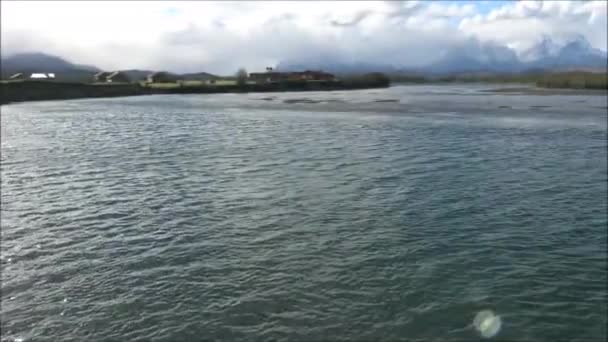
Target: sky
220, 37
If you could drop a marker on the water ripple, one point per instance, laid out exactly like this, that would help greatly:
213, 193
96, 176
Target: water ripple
177, 218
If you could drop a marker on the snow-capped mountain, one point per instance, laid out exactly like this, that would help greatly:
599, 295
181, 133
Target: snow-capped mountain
575, 53
545, 48
474, 56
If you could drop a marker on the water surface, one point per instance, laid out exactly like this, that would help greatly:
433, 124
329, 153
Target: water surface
364, 215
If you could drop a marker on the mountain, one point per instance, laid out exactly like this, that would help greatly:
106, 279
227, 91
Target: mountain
576, 53
477, 57
545, 48
469, 56
40, 62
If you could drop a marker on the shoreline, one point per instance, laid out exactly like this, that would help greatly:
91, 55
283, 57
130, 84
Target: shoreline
514, 88
31, 91
534, 90
27, 91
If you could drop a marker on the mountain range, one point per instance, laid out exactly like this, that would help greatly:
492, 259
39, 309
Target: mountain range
476, 57
470, 57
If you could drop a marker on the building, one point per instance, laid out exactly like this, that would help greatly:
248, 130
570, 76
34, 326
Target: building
47, 76
273, 76
38, 76
100, 76
268, 77
18, 76
311, 75
111, 77
42, 76
118, 77
161, 77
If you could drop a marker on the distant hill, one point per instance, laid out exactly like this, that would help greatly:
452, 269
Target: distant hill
137, 75
199, 76
70, 72
40, 62
141, 75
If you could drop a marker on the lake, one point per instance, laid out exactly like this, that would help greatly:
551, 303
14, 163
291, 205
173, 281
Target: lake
351, 215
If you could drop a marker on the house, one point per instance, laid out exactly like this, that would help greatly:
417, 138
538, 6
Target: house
46, 76
273, 76
268, 77
111, 77
42, 76
311, 75
18, 76
100, 76
118, 77
161, 77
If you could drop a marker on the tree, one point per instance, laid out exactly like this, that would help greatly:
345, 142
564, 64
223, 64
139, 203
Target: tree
241, 77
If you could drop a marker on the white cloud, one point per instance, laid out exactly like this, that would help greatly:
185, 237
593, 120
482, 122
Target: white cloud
221, 36
520, 24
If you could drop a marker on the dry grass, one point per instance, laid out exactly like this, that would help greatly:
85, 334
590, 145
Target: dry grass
162, 85
224, 82
576, 80
179, 84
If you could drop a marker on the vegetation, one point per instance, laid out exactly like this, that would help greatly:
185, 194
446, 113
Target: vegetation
241, 77
161, 85
576, 80
572, 80
374, 79
28, 90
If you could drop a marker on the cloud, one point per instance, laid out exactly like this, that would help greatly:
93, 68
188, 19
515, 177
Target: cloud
404, 8
354, 21
520, 24
223, 36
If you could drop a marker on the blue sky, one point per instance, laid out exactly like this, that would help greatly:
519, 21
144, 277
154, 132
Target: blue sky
222, 36
172, 11
482, 7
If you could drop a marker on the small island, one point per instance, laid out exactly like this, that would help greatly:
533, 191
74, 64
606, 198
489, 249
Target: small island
46, 86
37, 86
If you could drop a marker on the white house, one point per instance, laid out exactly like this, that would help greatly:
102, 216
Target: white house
43, 76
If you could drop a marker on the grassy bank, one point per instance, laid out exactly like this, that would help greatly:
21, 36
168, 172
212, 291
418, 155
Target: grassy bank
574, 80
569, 80
19, 91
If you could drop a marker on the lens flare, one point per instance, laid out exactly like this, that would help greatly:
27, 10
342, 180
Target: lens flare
487, 323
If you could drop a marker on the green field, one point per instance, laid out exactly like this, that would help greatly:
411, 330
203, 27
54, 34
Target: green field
188, 84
